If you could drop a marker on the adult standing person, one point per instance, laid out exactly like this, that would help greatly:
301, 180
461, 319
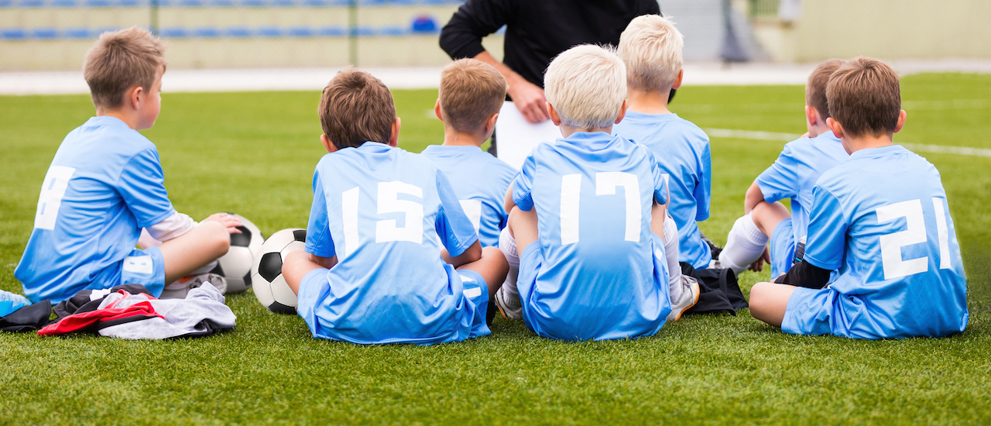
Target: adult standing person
536, 32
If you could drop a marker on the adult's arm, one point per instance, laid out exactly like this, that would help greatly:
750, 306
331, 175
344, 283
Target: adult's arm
462, 37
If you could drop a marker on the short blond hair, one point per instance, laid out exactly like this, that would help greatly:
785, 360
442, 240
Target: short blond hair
470, 92
119, 61
356, 108
815, 89
864, 96
586, 85
652, 48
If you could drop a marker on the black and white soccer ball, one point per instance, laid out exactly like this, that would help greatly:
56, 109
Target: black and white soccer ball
269, 286
236, 265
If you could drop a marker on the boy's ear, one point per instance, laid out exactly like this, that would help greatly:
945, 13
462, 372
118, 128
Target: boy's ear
491, 123
556, 119
394, 138
901, 120
622, 112
437, 111
327, 143
134, 96
811, 115
836, 127
677, 80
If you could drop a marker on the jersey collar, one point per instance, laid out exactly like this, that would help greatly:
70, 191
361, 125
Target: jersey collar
878, 152
105, 120
590, 140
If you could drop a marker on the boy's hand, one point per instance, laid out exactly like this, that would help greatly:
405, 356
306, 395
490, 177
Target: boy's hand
229, 221
758, 264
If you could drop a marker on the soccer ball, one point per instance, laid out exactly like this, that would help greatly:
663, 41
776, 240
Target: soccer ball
269, 286
236, 265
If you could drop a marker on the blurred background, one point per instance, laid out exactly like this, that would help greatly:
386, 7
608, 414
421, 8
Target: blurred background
53, 35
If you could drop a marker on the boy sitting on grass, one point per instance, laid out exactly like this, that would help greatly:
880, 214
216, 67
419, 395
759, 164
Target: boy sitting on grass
652, 48
584, 211
372, 271
471, 93
881, 221
105, 185
793, 175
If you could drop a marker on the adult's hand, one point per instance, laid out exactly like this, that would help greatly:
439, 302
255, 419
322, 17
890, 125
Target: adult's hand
528, 97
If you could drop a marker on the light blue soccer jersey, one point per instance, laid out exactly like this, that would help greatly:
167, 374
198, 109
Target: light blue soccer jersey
104, 184
793, 175
682, 151
381, 210
882, 220
596, 275
480, 182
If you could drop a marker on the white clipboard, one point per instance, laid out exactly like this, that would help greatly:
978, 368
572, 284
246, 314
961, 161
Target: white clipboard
516, 137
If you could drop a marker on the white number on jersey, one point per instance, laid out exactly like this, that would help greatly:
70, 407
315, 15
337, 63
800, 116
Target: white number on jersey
605, 184
52, 191
914, 233
387, 201
473, 209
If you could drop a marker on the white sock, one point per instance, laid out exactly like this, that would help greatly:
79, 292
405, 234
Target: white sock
744, 245
671, 252
507, 244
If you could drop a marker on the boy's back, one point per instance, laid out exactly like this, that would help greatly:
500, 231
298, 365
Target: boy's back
598, 278
380, 210
882, 220
104, 184
480, 182
681, 149
793, 175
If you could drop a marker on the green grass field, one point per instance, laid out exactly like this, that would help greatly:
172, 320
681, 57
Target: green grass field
254, 154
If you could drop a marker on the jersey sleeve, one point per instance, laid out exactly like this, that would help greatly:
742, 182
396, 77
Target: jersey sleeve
318, 239
523, 184
828, 224
781, 180
661, 189
142, 186
453, 227
703, 189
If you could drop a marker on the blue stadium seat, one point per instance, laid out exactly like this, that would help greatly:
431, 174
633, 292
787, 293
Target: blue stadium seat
97, 3
282, 3
238, 32
44, 33
332, 31
131, 3
364, 31
270, 32
13, 33
190, 3
253, 3
65, 3
31, 3
206, 32
78, 33
392, 31
175, 32
424, 24
106, 30
221, 3
301, 32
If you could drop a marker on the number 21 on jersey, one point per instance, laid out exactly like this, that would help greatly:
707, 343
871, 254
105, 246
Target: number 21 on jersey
914, 233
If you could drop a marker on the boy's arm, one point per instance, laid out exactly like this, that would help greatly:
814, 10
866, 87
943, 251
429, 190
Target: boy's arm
777, 182
703, 190
472, 254
508, 203
825, 246
753, 197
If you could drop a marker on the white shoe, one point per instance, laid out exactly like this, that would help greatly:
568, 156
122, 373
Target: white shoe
181, 287
509, 307
688, 298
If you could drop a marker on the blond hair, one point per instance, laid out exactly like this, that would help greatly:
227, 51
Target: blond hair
652, 48
470, 92
815, 89
586, 85
119, 61
864, 96
355, 108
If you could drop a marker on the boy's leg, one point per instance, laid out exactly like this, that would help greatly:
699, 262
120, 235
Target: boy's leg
748, 237
492, 267
508, 298
768, 302
205, 243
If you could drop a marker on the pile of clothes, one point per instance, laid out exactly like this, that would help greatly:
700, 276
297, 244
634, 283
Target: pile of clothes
128, 311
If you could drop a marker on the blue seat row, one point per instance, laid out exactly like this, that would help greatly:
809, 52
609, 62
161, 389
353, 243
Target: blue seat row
215, 3
215, 32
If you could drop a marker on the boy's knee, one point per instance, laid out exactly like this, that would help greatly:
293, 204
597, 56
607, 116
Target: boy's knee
215, 235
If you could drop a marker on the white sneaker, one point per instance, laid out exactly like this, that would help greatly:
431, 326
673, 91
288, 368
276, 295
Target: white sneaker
688, 298
181, 287
509, 307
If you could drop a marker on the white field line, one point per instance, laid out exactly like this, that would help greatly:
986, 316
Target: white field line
772, 136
